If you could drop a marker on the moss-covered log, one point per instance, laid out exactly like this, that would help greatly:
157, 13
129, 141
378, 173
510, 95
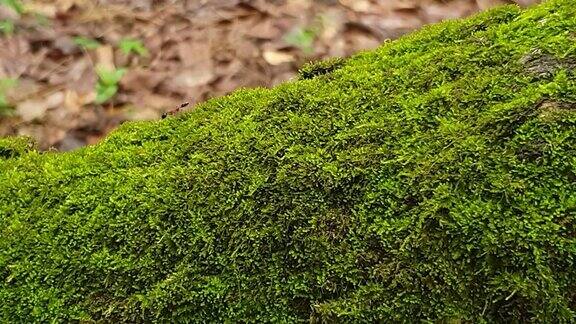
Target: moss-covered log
433, 178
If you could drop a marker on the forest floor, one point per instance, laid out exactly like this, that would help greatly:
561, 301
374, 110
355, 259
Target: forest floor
73, 70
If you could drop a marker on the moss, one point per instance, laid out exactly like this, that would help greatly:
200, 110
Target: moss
430, 179
314, 69
16, 146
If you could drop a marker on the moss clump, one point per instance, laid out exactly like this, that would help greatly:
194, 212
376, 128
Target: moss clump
314, 69
432, 178
16, 146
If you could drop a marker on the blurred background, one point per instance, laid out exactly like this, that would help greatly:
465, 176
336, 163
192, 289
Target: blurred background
73, 70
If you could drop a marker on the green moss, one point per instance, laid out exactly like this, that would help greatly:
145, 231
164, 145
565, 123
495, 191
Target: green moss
314, 69
16, 146
432, 179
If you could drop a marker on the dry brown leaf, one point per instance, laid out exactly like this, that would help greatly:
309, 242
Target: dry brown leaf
54, 100
72, 101
297, 7
140, 79
34, 109
390, 24
65, 5
155, 101
226, 84
277, 57
264, 29
333, 21
47, 10
30, 110
105, 57
54, 136
194, 52
406, 5
487, 4
65, 44
15, 56
78, 76
35, 131
357, 5
142, 113
25, 89
437, 11
190, 78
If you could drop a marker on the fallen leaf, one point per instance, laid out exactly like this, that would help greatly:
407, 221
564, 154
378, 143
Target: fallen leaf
438, 11
47, 10
332, 22
264, 29
142, 113
487, 4
357, 5
105, 57
72, 101
139, 79
194, 52
277, 57
24, 88
54, 100
31, 109
297, 7
190, 78
148, 99
66, 45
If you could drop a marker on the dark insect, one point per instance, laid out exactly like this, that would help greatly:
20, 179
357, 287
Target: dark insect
175, 111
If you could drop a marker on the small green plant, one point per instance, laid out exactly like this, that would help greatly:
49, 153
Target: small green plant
107, 83
42, 20
15, 5
5, 85
302, 38
6, 27
130, 45
86, 43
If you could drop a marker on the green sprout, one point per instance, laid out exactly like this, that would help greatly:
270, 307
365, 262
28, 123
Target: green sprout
42, 20
129, 45
107, 85
15, 5
302, 38
86, 43
6, 27
5, 85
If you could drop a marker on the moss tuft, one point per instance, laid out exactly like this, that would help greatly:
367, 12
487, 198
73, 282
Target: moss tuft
430, 179
16, 146
314, 69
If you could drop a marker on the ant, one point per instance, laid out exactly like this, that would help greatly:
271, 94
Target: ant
175, 111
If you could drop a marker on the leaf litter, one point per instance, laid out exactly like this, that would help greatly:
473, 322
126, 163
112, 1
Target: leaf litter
82, 67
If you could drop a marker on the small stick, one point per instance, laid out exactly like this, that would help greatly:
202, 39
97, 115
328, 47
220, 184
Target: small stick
175, 111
